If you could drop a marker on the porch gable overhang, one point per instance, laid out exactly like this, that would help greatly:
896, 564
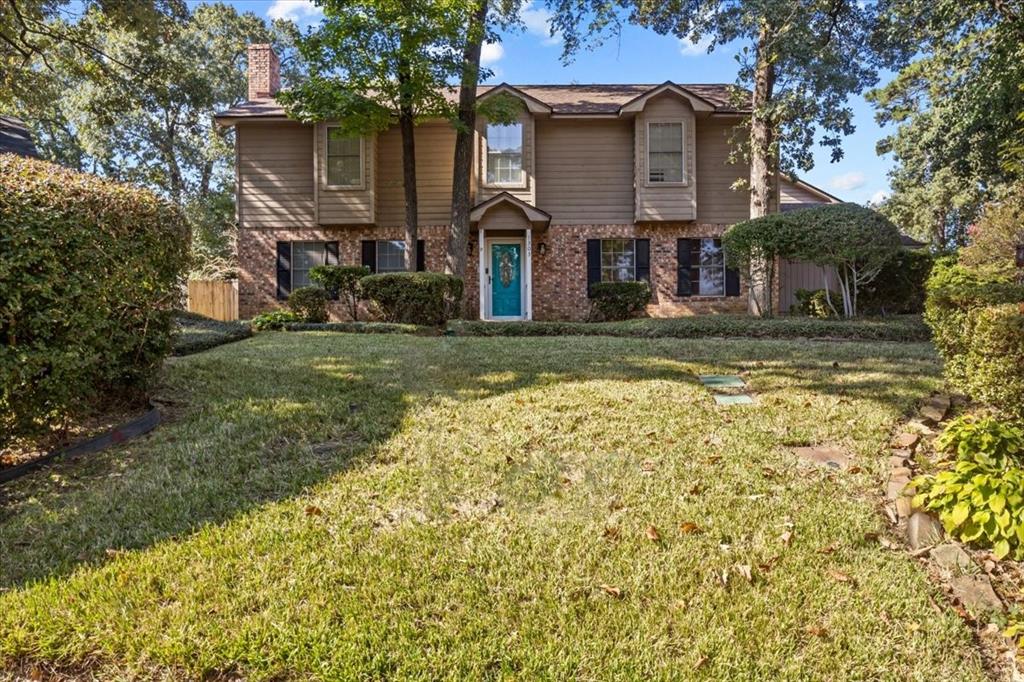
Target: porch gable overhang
536, 217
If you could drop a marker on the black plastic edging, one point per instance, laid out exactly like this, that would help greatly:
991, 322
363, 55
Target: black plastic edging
122, 433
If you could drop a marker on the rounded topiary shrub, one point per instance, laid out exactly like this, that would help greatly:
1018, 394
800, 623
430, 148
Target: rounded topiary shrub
815, 303
341, 281
309, 304
618, 300
425, 298
90, 275
994, 362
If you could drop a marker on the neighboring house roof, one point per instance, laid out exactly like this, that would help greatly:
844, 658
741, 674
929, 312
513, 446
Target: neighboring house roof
15, 138
911, 243
813, 189
567, 100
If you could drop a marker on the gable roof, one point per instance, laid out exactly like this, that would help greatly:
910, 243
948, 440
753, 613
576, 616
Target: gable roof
15, 138
536, 216
566, 99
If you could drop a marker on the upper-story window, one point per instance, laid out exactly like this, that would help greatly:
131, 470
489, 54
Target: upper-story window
344, 159
505, 154
665, 152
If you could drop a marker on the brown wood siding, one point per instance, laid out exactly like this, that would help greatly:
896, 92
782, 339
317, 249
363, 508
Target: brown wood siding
435, 148
717, 202
527, 192
504, 217
275, 176
346, 206
674, 202
791, 193
585, 171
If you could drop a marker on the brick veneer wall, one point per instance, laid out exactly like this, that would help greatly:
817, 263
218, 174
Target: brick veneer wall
559, 276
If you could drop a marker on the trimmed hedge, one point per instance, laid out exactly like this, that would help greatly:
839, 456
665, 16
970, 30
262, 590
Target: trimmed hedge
197, 333
619, 300
994, 362
361, 328
900, 287
274, 320
309, 304
953, 292
89, 274
899, 328
425, 298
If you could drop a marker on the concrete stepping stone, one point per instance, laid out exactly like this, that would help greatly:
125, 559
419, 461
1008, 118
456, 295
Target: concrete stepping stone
741, 399
721, 381
833, 458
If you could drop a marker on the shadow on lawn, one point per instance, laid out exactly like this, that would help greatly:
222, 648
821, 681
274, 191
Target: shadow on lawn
267, 418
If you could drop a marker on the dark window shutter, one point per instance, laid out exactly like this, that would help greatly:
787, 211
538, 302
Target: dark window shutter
643, 259
593, 263
732, 282
421, 255
331, 249
284, 270
370, 254
683, 250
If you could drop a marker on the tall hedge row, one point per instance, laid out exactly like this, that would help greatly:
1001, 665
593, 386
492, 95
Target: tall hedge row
89, 274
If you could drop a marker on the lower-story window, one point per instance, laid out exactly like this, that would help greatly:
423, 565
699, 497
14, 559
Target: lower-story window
388, 255
618, 260
702, 270
305, 257
296, 259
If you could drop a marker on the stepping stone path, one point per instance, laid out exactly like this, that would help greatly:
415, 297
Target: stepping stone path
833, 458
727, 389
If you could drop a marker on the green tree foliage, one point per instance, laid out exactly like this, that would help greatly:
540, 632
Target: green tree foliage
993, 239
374, 59
89, 275
147, 118
955, 103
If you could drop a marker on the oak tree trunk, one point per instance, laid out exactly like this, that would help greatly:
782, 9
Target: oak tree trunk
762, 166
407, 126
458, 234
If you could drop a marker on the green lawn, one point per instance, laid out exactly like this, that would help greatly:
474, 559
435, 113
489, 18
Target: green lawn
334, 506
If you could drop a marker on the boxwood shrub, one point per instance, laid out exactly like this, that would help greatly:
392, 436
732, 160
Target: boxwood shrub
424, 298
993, 365
90, 276
618, 300
309, 304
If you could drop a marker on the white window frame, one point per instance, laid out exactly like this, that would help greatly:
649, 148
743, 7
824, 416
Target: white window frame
604, 267
700, 268
327, 158
376, 250
647, 154
291, 270
522, 183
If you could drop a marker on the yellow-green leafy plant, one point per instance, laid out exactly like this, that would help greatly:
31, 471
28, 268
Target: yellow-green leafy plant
979, 497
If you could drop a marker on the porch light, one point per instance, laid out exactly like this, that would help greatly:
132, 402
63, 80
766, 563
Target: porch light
542, 248
469, 248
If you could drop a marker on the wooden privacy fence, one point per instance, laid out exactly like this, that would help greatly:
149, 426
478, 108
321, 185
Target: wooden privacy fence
217, 299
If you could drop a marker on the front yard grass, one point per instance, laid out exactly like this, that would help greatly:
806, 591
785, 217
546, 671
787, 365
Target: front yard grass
332, 506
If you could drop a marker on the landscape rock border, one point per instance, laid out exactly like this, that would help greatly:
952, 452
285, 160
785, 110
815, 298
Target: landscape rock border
963, 580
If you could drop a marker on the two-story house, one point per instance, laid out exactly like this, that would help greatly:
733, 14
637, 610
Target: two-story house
592, 183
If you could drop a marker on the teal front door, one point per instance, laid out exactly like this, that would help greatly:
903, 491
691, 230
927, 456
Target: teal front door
506, 280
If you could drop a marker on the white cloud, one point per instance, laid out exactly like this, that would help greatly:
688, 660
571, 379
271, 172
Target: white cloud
491, 53
692, 49
878, 197
295, 10
538, 22
848, 181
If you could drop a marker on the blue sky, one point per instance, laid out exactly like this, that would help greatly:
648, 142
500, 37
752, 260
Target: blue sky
640, 56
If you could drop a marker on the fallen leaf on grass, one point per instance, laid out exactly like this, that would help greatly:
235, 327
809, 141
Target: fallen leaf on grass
611, 532
828, 549
700, 662
713, 459
816, 630
768, 565
612, 591
652, 534
696, 489
689, 528
313, 510
841, 577
745, 571
786, 538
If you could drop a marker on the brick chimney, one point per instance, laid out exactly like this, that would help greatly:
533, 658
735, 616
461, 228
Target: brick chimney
264, 71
